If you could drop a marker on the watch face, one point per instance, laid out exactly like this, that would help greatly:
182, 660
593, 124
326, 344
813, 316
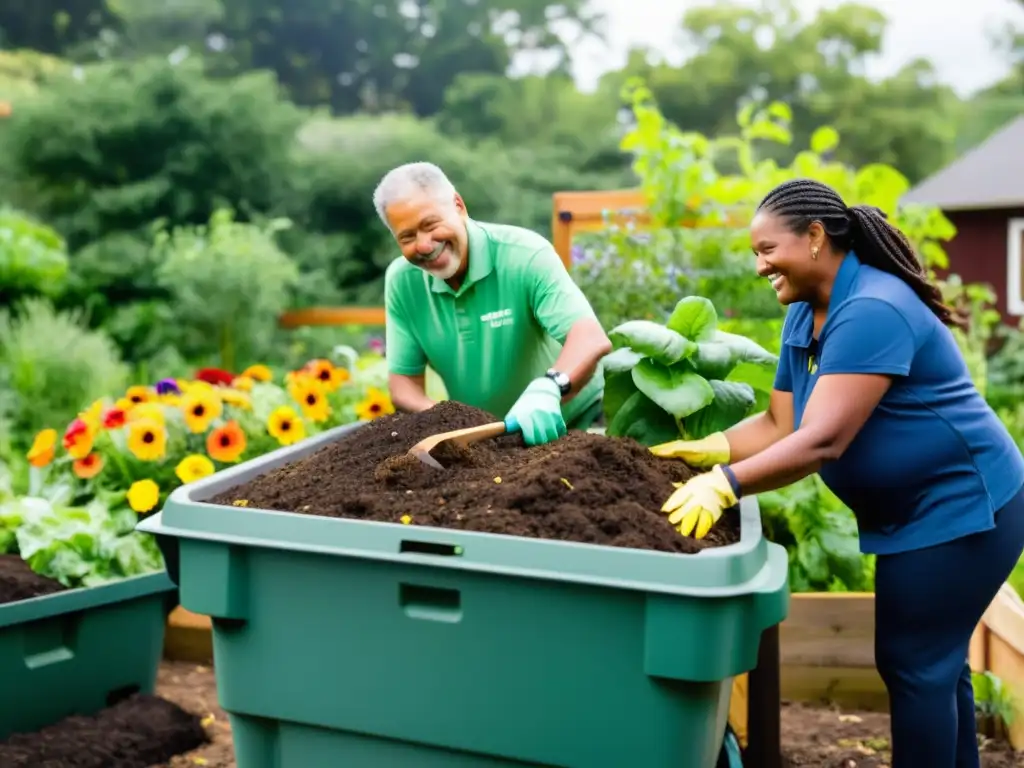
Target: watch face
561, 379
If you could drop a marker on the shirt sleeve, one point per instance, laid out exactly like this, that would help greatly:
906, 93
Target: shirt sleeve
558, 303
784, 371
867, 336
404, 354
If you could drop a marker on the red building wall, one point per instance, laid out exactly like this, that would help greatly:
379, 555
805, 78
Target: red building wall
978, 252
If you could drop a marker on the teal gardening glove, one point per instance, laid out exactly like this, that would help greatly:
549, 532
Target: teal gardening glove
538, 412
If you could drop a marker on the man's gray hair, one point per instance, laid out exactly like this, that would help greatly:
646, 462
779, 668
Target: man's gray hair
407, 180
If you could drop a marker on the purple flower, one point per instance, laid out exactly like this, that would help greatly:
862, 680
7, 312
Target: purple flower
376, 345
167, 387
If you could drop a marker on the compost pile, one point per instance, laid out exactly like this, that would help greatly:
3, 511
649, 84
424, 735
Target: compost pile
137, 732
19, 582
584, 487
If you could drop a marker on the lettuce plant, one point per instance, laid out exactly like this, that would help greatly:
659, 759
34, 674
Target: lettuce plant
684, 378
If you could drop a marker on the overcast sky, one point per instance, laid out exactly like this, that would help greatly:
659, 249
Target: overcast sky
952, 33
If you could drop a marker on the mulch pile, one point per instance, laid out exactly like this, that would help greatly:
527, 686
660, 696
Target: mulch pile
137, 732
19, 582
583, 487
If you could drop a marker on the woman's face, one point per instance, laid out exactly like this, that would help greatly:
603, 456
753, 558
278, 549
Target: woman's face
785, 258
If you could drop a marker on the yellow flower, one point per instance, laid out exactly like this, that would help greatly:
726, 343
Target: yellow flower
200, 407
43, 448
376, 404
147, 440
92, 417
310, 396
243, 383
143, 495
171, 399
285, 425
326, 373
139, 394
194, 467
235, 397
258, 373
227, 443
148, 412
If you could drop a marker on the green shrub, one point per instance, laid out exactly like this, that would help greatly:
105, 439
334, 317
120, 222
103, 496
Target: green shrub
123, 144
52, 366
228, 282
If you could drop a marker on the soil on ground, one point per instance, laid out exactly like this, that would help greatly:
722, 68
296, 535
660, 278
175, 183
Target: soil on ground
19, 582
583, 487
812, 737
815, 737
137, 732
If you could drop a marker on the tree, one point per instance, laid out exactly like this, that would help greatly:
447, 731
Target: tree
769, 53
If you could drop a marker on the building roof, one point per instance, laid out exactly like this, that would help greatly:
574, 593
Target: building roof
989, 176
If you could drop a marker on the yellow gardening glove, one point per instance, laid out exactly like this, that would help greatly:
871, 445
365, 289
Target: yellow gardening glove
702, 454
698, 503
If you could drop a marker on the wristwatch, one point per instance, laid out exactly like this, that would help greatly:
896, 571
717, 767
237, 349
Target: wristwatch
561, 379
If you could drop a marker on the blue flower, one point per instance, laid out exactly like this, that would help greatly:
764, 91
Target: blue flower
167, 387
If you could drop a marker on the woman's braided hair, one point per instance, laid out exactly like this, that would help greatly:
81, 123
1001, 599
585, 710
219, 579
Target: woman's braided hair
862, 228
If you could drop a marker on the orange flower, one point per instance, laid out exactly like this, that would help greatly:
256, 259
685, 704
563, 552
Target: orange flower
78, 439
114, 418
43, 448
88, 467
227, 443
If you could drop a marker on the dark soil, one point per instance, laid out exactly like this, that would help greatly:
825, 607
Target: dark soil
583, 487
814, 737
138, 732
19, 582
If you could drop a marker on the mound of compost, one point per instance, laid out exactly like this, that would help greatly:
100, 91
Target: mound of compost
137, 732
19, 582
583, 487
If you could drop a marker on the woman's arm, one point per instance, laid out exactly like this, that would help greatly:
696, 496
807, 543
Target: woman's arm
753, 435
837, 409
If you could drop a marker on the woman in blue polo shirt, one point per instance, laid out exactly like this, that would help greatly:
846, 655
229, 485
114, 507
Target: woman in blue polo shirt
873, 394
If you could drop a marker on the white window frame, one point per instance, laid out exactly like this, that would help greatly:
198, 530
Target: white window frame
1014, 266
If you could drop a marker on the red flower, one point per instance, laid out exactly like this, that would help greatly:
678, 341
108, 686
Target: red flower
215, 376
114, 418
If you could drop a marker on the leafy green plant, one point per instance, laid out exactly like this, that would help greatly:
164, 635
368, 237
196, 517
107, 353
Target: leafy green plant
820, 534
683, 378
33, 258
80, 546
993, 700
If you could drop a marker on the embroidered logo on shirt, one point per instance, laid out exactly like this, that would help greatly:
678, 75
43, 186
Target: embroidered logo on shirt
498, 318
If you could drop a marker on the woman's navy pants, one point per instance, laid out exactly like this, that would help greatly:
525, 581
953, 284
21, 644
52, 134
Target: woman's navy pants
927, 604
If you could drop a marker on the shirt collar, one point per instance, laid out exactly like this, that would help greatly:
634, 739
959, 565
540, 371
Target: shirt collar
481, 261
801, 329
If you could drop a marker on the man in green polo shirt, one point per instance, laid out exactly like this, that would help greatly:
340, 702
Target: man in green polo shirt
490, 307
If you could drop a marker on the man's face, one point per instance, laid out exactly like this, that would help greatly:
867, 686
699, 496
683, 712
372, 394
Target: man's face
431, 233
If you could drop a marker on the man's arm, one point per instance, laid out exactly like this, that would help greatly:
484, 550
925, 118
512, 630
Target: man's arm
564, 312
406, 359
409, 393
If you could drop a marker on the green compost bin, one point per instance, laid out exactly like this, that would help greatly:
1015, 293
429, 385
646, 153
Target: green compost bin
377, 645
76, 652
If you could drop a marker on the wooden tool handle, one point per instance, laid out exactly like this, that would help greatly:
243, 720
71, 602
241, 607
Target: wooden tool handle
476, 434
